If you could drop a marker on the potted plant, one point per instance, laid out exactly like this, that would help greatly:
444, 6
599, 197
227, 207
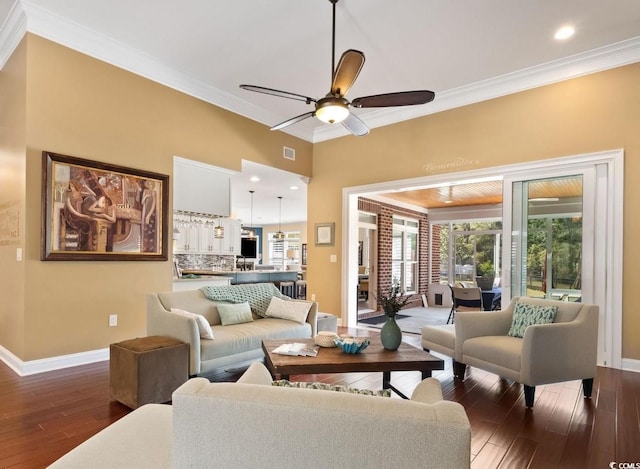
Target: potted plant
485, 275
391, 303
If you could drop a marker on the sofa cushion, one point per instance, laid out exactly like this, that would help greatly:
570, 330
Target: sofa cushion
240, 338
502, 351
258, 295
287, 309
330, 387
234, 313
203, 325
525, 315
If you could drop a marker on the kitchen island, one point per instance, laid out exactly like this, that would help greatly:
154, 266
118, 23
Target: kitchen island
259, 276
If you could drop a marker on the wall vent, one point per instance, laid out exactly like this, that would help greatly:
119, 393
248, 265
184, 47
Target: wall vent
289, 153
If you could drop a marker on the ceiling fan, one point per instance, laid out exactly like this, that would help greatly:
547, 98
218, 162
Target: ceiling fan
334, 107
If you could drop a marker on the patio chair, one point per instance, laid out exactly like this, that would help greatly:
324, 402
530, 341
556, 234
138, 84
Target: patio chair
464, 299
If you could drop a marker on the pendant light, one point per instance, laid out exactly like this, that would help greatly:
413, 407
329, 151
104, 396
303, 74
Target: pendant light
279, 236
252, 231
218, 231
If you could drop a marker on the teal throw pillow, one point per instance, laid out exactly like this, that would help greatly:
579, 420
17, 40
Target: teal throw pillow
237, 313
525, 315
331, 387
258, 295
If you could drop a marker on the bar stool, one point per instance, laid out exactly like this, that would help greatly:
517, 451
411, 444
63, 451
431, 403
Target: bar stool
288, 288
301, 289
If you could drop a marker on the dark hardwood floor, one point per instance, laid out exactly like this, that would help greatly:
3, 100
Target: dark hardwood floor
46, 415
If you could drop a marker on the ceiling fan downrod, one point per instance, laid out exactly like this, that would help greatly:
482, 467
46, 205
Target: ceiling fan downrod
333, 41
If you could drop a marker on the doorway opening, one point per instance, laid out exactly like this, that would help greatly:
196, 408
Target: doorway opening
602, 173
367, 263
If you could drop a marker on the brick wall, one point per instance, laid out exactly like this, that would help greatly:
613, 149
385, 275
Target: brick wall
385, 214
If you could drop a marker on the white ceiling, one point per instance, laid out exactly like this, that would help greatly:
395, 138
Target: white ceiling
464, 51
273, 183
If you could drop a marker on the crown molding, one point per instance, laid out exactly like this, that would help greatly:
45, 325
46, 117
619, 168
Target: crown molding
26, 16
12, 32
596, 60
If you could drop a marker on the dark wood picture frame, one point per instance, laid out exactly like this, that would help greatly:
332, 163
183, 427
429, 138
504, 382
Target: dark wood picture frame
303, 260
98, 211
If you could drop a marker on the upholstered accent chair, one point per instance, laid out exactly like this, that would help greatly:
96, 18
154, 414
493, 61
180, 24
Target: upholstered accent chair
564, 349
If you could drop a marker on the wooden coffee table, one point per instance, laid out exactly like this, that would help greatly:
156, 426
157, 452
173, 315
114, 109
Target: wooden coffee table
333, 360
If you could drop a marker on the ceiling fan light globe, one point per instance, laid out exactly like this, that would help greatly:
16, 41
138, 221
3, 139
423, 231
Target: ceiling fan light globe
332, 111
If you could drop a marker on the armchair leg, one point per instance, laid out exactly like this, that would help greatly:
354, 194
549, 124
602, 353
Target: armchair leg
529, 395
459, 370
587, 386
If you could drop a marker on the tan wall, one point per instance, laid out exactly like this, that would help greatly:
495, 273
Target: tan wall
593, 113
82, 107
13, 101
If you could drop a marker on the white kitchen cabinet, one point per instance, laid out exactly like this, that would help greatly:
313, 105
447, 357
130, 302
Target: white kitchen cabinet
232, 232
193, 235
196, 235
201, 188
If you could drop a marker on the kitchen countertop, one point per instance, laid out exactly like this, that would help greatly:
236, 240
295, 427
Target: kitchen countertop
232, 272
243, 276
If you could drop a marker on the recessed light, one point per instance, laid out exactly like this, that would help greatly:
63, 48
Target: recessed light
448, 201
254, 179
564, 32
294, 188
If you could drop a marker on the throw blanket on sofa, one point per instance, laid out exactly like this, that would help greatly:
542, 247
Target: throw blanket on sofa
258, 295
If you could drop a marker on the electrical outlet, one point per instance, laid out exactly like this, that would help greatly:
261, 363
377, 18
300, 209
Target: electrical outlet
333, 258
113, 320
313, 297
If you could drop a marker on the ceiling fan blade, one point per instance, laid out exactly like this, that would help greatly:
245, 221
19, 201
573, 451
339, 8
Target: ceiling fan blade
402, 98
293, 120
281, 94
354, 125
347, 71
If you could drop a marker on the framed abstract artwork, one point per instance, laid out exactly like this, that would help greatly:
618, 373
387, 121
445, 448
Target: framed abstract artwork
99, 211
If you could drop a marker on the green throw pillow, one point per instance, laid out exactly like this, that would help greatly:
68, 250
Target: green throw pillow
331, 387
525, 315
237, 313
258, 295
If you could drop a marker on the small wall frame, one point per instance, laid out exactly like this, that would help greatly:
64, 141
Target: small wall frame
325, 234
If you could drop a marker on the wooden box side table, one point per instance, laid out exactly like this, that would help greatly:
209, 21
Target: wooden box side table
147, 369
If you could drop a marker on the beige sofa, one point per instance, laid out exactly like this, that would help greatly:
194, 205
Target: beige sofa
564, 350
251, 424
232, 343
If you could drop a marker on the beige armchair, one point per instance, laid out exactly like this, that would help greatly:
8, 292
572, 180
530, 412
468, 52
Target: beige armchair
564, 350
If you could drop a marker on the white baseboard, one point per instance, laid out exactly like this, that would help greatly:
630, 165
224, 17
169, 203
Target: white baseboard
32, 367
629, 364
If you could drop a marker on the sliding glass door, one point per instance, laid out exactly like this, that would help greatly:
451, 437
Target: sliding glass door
555, 249
548, 242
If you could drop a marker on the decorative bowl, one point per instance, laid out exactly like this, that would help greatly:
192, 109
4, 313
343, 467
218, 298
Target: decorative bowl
325, 339
352, 345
